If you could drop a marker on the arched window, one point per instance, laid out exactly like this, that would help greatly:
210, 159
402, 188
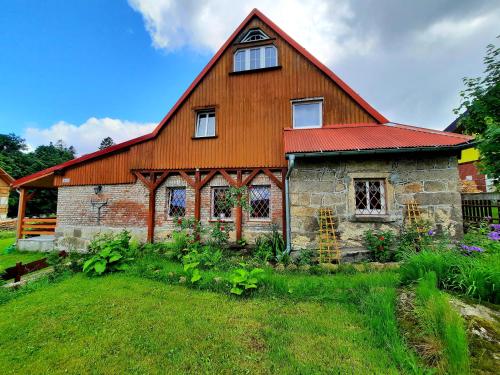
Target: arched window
255, 58
254, 35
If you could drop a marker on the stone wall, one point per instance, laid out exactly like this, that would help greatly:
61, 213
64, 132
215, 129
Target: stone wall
127, 208
314, 183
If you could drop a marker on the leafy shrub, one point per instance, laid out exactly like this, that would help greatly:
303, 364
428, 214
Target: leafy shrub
263, 250
192, 271
219, 233
442, 327
269, 246
380, 243
243, 280
110, 253
305, 258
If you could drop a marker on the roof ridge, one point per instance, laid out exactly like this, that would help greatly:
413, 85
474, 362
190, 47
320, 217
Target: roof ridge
427, 130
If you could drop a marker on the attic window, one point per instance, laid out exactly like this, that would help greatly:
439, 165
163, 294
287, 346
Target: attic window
255, 58
254, 35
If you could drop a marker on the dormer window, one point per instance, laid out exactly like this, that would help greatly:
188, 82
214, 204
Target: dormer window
255, 58
254, 35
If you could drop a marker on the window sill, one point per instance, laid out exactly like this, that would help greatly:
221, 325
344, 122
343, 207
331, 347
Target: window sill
221, 220
255, 70
371, 219
207, 137
263, 221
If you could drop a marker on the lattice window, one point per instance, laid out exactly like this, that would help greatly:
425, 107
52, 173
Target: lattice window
260, 201
370, 197
219, 206
176, 201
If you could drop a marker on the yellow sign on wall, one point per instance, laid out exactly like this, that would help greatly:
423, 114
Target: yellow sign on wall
468, 155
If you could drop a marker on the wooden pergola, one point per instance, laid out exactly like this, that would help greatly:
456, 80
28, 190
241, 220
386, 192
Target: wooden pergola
197, 179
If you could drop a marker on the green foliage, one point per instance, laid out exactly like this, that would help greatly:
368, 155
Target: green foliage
192, 271
235, 197
10, 249
305, 258
263, 250
111, 253
18, 163
475, 275
219, 233
480, 111
106, 142
243, 281
269, 246
381, 244
442, 326
7, 234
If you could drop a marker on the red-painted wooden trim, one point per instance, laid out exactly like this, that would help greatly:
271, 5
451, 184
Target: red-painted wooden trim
228, 178
194, 84
251, 176
188, 179
239, 210
273, 178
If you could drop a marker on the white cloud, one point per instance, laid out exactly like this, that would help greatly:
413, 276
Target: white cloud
87, 137
322, 26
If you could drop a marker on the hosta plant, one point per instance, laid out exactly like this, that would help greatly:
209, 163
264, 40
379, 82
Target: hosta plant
243, 281
106, 260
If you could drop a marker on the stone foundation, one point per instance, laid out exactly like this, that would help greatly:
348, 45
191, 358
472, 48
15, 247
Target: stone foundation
127, 208
314, 183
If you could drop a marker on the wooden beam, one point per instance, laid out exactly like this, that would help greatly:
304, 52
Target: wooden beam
197, 195
239, 211
273, 178
160, 180
228, 178
250, 177
207, 178
151, 215
144, 180
188, 179
21, 212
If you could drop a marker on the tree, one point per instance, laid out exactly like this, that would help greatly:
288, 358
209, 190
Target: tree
480, 113
106, 142
16, 161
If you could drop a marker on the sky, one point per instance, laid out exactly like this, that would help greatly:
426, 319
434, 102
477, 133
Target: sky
82, 70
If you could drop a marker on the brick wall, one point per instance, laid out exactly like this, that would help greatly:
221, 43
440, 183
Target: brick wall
433, 182
127, 208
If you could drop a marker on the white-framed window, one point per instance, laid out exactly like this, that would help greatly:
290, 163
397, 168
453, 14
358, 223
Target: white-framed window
307, 113
255, 58
205, 123
369, 196
254, 35
260, 201
219, 209
176, 202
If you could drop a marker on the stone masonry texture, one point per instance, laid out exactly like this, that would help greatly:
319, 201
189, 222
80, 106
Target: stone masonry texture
431, 181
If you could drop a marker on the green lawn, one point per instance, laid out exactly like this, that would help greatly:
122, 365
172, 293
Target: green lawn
9, 260
126, 324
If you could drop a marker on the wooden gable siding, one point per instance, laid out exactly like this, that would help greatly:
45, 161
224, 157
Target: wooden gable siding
252, 109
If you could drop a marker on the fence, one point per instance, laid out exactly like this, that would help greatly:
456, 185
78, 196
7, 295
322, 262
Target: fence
38, 227
477, 207
9, 224
21, 269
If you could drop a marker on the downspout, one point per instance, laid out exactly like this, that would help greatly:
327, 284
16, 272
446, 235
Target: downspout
291, 165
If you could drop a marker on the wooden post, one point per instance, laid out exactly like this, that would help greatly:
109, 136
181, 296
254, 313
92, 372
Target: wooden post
21, 212
151, 214
239, 213
197, 195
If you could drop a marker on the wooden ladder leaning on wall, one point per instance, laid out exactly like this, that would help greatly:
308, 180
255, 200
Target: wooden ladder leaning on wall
329, 249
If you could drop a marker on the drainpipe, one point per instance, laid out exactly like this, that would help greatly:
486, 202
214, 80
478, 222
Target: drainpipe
291, 165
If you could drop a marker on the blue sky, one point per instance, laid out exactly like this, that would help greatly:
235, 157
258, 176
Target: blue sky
80, 70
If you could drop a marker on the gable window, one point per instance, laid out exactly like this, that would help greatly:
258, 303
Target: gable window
369, 197
176, 202
307, 114
254, 35
260, 201
205, 124
220, 210
255, 58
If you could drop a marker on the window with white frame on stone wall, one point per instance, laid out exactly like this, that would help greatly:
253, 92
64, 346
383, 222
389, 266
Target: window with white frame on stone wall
370, 196
176, 202
219, 209
260, 202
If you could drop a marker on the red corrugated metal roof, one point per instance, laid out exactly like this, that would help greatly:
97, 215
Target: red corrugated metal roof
349, 137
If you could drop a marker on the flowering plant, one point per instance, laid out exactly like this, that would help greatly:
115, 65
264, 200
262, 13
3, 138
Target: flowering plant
381, 244
469, 250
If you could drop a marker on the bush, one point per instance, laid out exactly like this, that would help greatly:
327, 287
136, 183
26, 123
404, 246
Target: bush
380, 243
110, 253
270, 246
442, 328
243, 281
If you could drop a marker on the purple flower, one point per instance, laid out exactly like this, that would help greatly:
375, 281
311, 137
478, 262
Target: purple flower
495, 236
432, 232
471, 249
495, 227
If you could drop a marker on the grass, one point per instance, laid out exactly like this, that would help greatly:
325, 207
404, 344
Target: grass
442, 327
9, 260
125, 324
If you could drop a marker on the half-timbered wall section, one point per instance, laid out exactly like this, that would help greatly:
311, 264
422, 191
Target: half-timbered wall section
252, 109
